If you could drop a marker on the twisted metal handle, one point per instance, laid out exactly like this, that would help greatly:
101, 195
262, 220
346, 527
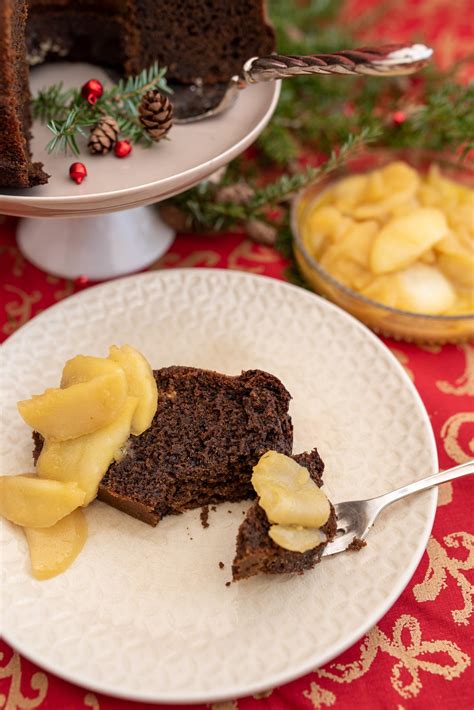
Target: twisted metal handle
387, 60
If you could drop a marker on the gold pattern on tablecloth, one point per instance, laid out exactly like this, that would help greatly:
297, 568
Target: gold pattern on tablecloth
403, 359
15, 700
440, 565
205, 257
433, 349
410, 658
319, 697
445, 494
463, 385
263, 694
450, 436
91, 701
248, 251
18, 265
225, 705
19, 311
67, 290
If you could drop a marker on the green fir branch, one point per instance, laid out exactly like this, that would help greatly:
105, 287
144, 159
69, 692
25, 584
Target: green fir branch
207, 213
69, 117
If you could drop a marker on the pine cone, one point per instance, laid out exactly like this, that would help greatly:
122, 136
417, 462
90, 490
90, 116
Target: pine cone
176, 218
103, 136
261, 232
156, 114
239, 193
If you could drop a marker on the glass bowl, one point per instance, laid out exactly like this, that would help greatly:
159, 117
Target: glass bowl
391, 322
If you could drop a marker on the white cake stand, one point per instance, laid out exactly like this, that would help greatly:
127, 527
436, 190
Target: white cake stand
101, 228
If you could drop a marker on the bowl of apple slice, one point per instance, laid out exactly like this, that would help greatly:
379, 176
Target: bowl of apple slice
391, 240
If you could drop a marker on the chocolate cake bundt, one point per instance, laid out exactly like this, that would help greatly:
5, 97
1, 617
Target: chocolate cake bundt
197, 40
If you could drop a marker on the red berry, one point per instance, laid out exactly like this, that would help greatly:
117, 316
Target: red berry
399, 117
92, 90
81, 280
77, 172
122, 149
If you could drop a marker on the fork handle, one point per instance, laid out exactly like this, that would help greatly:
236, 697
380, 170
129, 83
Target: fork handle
436, 479
384, 60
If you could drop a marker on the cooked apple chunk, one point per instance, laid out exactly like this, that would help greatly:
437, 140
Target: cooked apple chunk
54, 549
86, 459
287, 493
61, 414
424, 289
404, 239
296, 538
84, 368
32, 502
418, 289
141, 384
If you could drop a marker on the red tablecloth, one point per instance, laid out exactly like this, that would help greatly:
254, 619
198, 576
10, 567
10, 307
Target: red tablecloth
419, 655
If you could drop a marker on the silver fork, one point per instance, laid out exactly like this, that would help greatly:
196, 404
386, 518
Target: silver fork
356, 517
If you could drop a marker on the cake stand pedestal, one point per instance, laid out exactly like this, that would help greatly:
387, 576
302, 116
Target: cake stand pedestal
99, 247
96, 229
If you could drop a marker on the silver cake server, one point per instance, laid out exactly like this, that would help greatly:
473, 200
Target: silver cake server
385, 60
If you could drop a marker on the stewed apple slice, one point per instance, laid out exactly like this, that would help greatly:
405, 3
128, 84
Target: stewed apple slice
424, 289
86, 459
54, 549
287, 493
295, 538
62, 414
32, 502
348, 192
458, 266
141, 384
420, 288
404, 239
84, 368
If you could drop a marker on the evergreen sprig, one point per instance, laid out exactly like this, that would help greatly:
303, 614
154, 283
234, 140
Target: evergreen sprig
208, 213
68, 115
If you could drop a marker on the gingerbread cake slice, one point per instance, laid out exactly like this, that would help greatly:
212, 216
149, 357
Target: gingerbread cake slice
256, 553
208, 432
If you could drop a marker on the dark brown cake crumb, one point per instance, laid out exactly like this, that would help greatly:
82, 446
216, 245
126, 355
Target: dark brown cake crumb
213, 508
221, 565
204, 516
357, 544
227, 584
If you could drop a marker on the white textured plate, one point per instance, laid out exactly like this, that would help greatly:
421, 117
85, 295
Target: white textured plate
144, 612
